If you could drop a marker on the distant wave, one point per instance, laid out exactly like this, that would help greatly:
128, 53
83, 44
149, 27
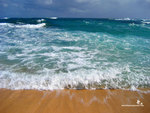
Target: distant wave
124, 19
146, 22
4, 18
40, 20
53, 17
32, 26
120, 26
23, 26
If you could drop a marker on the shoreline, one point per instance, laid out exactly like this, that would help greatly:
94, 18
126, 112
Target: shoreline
73, 101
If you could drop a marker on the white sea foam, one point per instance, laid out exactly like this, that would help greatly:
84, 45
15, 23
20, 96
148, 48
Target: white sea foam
132, 24
24, 26
77, 79
86, 22
146, 22
40, 20
68, 48
6, 24
123, 19
53, 17
5, 18
31, 26
52, 59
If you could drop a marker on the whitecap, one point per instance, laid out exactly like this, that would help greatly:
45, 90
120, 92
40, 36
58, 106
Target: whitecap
6, 24
31, 25
146, 22
40, 20
24, 26
53, 17
123, 19
5, 18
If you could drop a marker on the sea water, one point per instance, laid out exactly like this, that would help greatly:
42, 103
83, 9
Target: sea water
47, 53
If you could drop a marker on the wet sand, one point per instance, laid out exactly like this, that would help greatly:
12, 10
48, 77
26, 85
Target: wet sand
73, 101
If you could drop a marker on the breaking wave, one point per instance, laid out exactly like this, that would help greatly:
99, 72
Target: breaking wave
74, 54
23, 26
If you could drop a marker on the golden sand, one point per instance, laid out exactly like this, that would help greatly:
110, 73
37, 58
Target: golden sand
73, 101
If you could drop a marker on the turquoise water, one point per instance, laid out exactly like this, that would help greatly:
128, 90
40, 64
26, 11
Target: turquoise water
44, 53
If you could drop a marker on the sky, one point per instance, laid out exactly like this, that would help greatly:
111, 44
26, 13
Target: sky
75, 8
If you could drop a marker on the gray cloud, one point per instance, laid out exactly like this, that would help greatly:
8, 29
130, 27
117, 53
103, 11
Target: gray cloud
76, 8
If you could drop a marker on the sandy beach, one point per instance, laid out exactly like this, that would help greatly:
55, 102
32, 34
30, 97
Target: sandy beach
73, 101
41, 54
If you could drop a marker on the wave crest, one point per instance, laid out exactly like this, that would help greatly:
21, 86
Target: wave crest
24, 26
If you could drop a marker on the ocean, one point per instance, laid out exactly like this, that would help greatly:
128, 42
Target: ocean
74, 53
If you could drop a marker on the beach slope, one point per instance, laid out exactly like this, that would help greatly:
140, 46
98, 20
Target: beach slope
74, 101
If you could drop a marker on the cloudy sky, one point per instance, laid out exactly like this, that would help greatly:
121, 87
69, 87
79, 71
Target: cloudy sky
76, 8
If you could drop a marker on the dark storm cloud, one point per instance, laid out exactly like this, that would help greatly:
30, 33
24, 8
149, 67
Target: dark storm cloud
75, 8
